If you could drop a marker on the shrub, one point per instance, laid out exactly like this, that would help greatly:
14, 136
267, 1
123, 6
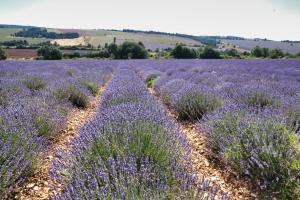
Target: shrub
276, 53
131, 50
258, 99
45, 126
232, 53
151, 80
140, 141
78, 98
2, 54
92, 87
182, 52
72, 94
293, 119
50, 53
257, 52
171, 87
209, 53
193, 105
261, 147
35, 83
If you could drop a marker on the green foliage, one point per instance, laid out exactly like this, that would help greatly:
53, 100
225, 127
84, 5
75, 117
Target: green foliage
13, 43
259, 98
209, 53
182, 52
78, 98
151, 80
276, 53
49, 53
232, 53
263, 149
73, 55
257, 52
194, 105
35, 83
72, 94
45, 126
131, 50
113, 49
2, 54
92, 87
293, 119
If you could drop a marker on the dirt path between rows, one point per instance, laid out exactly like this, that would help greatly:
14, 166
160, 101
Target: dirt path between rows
40, 186
202, 166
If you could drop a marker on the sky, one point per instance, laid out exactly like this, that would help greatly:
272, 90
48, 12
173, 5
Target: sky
272, 19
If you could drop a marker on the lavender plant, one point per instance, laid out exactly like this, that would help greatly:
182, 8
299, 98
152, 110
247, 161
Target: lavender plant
131, 149
258, 145
31, 115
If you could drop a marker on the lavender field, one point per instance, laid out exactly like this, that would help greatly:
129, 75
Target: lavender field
135, 145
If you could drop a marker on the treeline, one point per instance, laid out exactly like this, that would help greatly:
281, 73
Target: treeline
182, 52
127, 50
43, 33
259, 52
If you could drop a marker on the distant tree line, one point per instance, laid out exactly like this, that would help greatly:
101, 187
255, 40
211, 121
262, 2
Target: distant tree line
127, 50
43, 33
181, 52
14, 43
259, 52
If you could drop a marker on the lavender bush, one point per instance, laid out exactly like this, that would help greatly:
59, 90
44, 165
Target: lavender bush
129, 150
31, 115
255, 131
258, 145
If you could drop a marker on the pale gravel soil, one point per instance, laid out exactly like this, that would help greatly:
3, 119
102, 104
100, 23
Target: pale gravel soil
235, 187
40, 186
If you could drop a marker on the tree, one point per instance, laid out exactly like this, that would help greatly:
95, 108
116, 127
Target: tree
182, 52
232, 53
209, 53
50, 53
131, 50
265, 52
2, 54
113, 49
276, 53
257, 52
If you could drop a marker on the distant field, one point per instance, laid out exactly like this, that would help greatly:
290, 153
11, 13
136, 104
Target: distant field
151, 41
249, 44
21, 53
5, 35
100, 37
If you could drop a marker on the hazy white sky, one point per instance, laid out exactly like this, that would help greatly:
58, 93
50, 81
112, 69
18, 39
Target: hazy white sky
272, 19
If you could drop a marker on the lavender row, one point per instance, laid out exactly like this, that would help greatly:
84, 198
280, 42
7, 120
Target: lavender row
34, 106
130, 150
250, 110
